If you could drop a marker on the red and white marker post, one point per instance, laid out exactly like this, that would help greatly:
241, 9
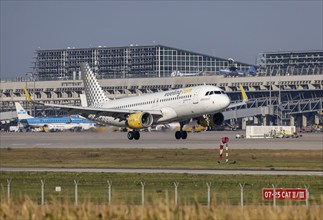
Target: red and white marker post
224, 142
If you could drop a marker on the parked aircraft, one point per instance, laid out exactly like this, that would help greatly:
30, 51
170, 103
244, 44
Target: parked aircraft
140, 112
233, 71
180, 74
52, 123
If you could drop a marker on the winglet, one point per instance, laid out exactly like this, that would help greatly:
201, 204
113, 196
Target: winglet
27, 94
243, 94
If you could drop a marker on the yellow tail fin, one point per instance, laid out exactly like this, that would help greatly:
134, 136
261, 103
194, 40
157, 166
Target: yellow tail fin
27, 94
243, 93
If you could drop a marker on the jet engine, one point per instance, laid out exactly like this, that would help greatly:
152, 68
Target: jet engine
217, 118
140, 120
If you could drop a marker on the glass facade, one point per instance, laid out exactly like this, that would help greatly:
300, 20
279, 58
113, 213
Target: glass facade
126, 62
290, 63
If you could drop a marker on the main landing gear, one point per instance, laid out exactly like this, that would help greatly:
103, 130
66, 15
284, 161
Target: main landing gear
133, 135
181, 134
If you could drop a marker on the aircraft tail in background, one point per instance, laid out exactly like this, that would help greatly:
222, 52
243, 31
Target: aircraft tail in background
252, 71
21, 112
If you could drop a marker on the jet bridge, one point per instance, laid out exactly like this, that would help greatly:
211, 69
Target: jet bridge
293, 112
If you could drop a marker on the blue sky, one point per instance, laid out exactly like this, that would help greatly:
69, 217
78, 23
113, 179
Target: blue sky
235, 29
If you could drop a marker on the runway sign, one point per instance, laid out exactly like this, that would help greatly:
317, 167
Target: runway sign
284, 194
58, 189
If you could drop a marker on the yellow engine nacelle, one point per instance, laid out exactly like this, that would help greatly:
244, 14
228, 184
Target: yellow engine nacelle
140, 120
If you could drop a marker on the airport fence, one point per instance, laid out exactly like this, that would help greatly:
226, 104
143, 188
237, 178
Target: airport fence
140, 193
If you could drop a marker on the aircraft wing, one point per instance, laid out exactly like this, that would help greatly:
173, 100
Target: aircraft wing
82, 110
233, 105
112, 112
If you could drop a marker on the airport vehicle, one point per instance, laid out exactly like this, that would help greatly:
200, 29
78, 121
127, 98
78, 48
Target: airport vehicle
141, 112
52, 123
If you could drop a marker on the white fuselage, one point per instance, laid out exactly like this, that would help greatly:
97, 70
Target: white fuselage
59, 123
175, 105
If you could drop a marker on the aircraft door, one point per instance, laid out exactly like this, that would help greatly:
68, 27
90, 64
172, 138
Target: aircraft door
155, 104
196, 96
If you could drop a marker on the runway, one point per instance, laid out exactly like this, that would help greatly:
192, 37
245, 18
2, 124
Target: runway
176, 171
154, 140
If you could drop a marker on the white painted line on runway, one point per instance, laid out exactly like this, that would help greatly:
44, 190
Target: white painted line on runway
43, 144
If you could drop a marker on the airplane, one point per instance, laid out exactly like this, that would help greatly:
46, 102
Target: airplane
52, 123
233, 71
180, 74
144, 111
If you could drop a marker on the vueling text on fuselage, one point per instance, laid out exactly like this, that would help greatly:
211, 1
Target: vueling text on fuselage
179, 92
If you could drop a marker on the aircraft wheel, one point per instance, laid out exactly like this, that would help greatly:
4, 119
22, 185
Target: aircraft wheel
136, 135
178, 135
130, 135
184, 134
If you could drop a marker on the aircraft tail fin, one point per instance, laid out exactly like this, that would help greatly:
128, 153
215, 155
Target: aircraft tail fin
21, 112
93, 91
252, 70
243, 93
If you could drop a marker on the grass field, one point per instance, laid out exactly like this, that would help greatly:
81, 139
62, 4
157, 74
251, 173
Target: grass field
159, 209
163, 158
126, 188
25, 195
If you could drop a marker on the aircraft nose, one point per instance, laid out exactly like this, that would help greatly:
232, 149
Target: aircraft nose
226, 101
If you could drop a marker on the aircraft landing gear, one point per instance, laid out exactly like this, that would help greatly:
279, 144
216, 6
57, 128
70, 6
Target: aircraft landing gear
133, 135
181, 134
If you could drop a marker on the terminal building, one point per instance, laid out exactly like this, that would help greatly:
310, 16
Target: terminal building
279, 94
290, 63
126, 62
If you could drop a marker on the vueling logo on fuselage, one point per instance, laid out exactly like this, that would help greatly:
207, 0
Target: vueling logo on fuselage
178, 92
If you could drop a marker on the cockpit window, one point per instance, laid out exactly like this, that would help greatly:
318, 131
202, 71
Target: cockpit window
213, 92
